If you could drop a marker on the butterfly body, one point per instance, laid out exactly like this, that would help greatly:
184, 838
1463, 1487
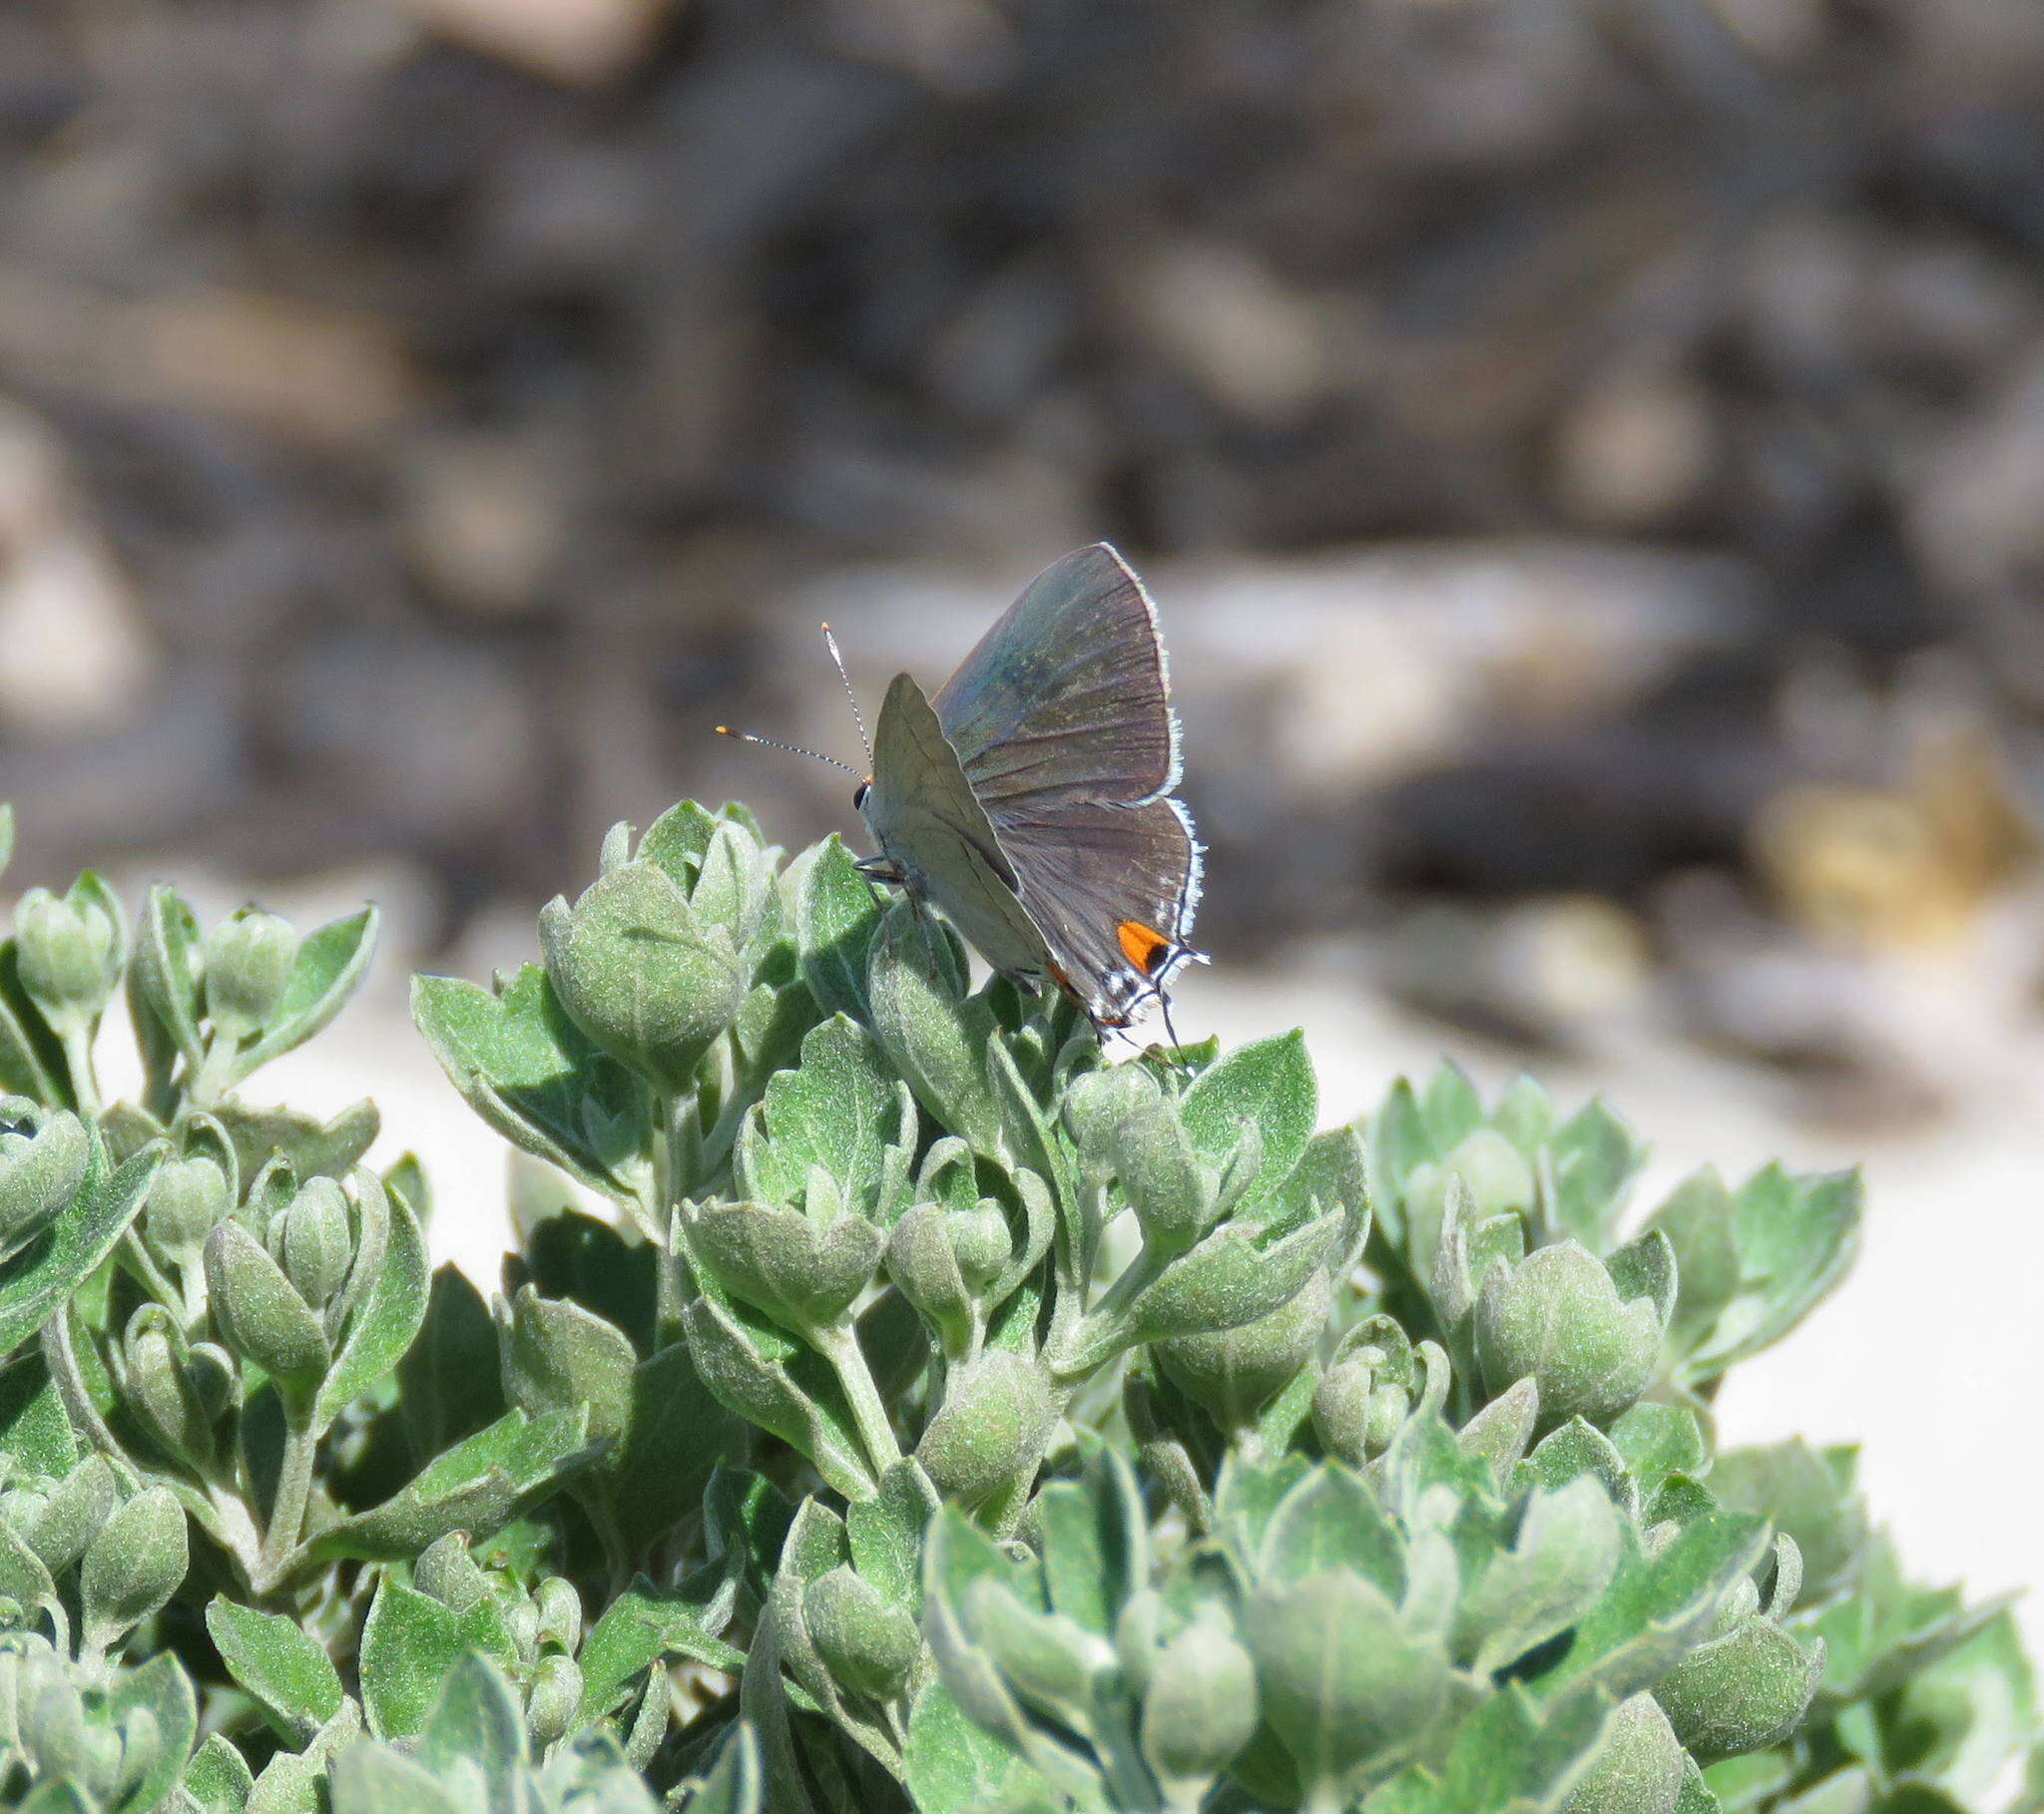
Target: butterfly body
1031, 800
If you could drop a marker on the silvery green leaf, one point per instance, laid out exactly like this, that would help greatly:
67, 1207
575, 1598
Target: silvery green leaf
1512, 1753
838, 1109
280, 1664
374, 1779
785, 1389
885, 1532
218, 1779
1451, 1105
643, 1624
955, 1766
383, 1310
1578, 1447
557, 1355
836, 915
1199, 1709
1567, 1549
1270, 1084
1233, 1374
933, 1038
532, 1074
411, 1644
44, 1154
1807, 1492
869, 1644
475, 1723
1095, 1541
476, 1486
655, 1474
1660, 1606
1740, 1692
133, 1565
1657, 1440
259, 1311
1500, 1431
1797, 1236
1341, 1679
1230, 1277
1595, 1160
329, 1149
101, 1208
448, 1384
1332, 1521
675, 842
156, 1698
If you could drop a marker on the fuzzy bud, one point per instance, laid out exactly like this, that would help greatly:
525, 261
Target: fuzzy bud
249, 956
43, 1157
68, 950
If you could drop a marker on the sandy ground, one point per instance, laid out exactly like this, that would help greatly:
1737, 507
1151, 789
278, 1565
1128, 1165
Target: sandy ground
1925, 1357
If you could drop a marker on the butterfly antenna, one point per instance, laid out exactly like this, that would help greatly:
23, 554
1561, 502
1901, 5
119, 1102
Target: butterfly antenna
745, 736
857, 716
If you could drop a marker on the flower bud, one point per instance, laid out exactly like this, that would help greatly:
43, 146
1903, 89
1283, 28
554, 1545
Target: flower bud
43, 1157
71, 1514
995, 1424
560, 1613
980, 1243
68, 950
134, 1565
1199, 1709
556, 1696
1740, 1692
1359, 1406
1233, 1373
868, 1644
314, 1242
925, 1267
641, 975
259, 1311
158, 1390
249, 956
185, 1199
1556, 1318
782, 1262
1174, 1198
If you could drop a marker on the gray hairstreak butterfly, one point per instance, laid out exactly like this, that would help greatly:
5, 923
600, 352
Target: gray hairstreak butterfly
1030, 800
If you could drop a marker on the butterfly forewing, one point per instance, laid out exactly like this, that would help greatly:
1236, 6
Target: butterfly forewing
1065, 699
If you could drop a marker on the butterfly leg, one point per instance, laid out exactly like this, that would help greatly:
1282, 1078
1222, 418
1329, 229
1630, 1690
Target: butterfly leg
880, 869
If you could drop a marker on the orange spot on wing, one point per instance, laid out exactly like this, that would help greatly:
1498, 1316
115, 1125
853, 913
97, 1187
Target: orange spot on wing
1144, 946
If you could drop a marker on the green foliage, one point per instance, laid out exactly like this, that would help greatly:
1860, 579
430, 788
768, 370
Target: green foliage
952, 1419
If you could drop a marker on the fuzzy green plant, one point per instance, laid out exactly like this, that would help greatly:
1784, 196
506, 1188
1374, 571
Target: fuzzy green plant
926, 1410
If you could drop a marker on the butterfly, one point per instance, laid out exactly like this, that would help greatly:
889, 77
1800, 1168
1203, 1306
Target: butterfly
1031, 800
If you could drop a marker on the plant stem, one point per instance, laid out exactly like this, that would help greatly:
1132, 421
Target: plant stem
838, 1344
293, 1489
85, 1083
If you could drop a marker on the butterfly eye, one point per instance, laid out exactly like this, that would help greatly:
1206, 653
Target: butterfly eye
858, 795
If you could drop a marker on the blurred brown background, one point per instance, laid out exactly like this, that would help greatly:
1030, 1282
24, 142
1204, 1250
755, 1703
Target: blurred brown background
1589, 455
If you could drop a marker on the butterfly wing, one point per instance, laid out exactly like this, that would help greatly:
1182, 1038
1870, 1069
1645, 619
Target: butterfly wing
1112, 889
929, 824
1066, 698
1062, 722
